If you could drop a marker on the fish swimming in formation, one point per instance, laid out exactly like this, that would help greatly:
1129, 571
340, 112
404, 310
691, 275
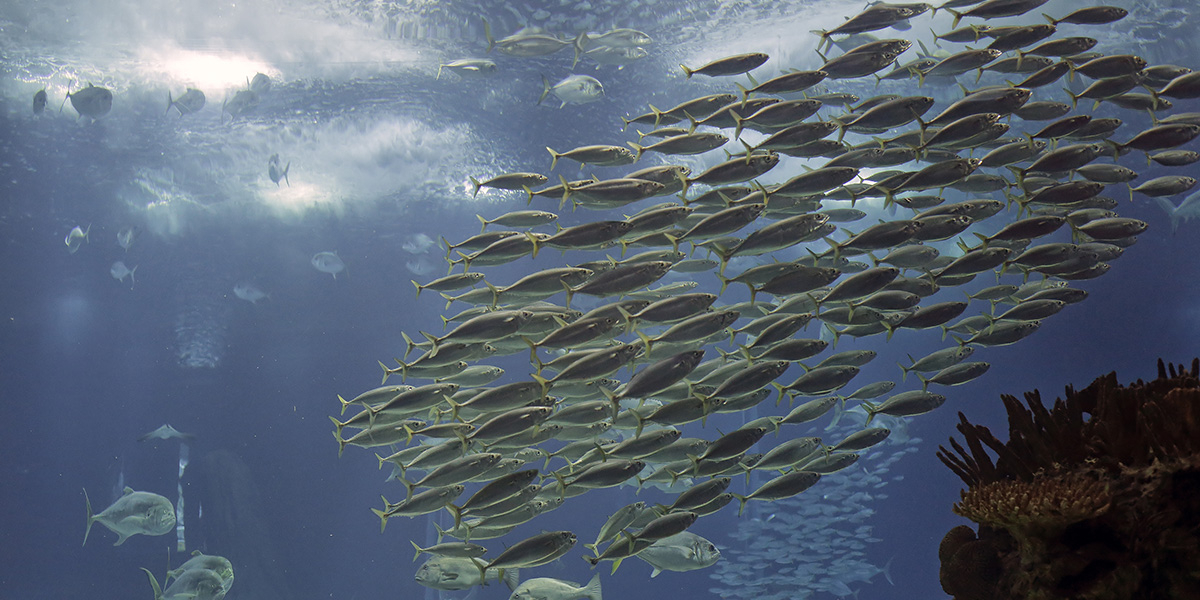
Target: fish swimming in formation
811, 258
328, 262
133, 513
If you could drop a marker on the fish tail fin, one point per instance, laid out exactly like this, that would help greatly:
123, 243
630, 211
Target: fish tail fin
688, 72
340, 425
456, 512
545, 92
154, 583
418, 549
545, 383
383, 519
745, 92
1050, 19
90, 516
512, 578
487, 32
286, 168
132, 278
386, 372
476, 185
957, 17
741, 503
638, 148
483, 222
1074, 98
341, 443
646, 341
617, 564
170, 102
554, 161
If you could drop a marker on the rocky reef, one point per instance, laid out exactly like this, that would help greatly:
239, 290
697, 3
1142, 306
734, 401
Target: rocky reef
1094, 498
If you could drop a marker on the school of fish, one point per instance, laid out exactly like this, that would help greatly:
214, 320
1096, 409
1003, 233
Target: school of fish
623, 393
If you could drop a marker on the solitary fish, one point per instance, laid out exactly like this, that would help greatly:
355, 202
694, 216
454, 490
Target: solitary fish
574, 89
125, 237
328, 262
468, 67
249, 292
166, 432
260, 85
119, 272
133, 513
275, 172
191, 101
91, 101
76, 237
546, 588
39, 101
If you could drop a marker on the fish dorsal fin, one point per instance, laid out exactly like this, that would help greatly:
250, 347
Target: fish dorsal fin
128, 490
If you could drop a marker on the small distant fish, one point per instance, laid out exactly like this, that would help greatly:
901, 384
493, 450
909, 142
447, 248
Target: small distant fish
328, 262
119, 272
249, 292
422, 266
166, 432
276, 173
573, 89
468, 67
125, 237
39, 101
260, 85
191, 101
417, 244
76, 237
133, 513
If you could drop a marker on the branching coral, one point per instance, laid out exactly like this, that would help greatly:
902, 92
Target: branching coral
1094, 498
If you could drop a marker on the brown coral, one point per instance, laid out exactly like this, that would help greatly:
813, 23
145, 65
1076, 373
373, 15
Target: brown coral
1095, 498
1047, 504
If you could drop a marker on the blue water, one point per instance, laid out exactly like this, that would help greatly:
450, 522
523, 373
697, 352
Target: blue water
380, 153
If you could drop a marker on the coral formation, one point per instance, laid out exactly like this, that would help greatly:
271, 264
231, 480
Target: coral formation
1096, 498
